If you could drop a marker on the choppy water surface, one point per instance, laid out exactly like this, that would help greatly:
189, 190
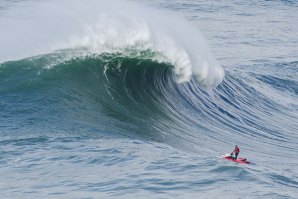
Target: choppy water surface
126, 100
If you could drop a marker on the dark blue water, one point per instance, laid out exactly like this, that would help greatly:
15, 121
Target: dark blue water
124, 99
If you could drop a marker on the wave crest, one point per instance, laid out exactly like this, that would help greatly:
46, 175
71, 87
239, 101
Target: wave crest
109, 27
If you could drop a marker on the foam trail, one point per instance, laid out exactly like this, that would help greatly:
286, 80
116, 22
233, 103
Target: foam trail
34, 28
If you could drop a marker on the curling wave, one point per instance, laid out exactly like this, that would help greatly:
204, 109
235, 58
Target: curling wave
105, 27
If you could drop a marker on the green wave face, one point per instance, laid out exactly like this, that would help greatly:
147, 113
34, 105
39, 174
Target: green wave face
130, 95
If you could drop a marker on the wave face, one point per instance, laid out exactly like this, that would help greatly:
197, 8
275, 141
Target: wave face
112, 102
136, 95
119, 90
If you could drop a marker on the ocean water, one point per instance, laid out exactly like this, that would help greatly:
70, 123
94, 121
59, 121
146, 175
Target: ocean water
139, 99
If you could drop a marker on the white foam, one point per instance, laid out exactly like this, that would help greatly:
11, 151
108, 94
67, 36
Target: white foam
34, 28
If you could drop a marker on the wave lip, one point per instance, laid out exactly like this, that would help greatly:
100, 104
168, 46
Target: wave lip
105, 27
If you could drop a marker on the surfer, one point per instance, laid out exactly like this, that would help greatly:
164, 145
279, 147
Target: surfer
229, 156
237, 151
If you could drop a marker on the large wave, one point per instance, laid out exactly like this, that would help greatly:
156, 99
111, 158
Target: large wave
119, 72
137, 96
114, 93
96, 27
100, 72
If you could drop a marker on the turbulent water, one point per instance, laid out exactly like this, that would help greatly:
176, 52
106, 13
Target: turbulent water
124, 99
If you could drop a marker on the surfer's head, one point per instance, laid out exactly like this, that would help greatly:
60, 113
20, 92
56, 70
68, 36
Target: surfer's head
236, 146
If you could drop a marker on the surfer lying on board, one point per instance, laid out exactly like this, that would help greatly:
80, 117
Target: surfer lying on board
237, 151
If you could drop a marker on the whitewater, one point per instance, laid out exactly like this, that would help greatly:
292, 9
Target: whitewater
139, 99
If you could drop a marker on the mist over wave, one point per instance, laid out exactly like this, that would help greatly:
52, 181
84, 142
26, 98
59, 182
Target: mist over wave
34, 28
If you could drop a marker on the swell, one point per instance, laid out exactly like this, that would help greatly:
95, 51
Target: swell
110, 94
139, 97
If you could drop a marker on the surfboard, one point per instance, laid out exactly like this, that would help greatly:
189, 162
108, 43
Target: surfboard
238, 160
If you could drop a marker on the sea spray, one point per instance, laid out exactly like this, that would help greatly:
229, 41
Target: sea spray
97, 27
